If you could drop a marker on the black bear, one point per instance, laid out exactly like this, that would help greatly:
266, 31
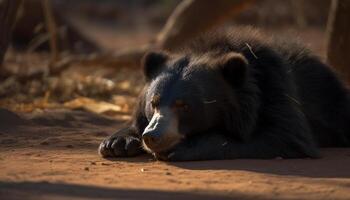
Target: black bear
235, 94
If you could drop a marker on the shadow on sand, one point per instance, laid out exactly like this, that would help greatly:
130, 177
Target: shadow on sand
334, 164
44, 190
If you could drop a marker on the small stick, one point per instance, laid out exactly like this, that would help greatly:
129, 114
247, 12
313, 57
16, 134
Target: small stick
209, 102
251, 50
52, 29
293, 99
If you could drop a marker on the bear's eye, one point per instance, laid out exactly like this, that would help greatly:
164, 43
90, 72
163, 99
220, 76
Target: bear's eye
181, 105
155, 101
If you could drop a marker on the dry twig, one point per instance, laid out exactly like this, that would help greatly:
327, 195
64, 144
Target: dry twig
52, 29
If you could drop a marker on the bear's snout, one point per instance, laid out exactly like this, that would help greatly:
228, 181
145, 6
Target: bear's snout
151, 138
153, 132
161, 134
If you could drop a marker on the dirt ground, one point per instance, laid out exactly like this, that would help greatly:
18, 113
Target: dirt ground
52, 154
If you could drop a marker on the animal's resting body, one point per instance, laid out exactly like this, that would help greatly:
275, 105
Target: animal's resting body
235, 94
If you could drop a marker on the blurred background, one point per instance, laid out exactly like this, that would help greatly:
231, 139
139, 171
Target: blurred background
93, 64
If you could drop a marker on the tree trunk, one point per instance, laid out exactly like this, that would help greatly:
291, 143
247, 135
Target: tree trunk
192, 17
8, 9
338, 52
27, 35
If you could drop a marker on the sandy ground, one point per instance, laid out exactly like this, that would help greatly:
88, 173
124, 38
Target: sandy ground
52, 155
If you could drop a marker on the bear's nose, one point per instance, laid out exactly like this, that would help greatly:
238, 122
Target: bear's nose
151, 138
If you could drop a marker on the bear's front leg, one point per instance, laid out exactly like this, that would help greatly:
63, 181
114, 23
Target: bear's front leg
123, 143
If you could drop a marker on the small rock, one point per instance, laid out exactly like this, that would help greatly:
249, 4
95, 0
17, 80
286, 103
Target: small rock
69, 146
86, 169
44, 143
93, 163
105, 164
167, 173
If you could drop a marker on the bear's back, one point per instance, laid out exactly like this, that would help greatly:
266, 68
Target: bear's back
316, 84
247, 40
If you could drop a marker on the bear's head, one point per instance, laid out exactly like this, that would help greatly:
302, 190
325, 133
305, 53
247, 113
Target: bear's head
188, 94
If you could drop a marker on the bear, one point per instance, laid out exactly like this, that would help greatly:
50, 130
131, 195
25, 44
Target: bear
233, 94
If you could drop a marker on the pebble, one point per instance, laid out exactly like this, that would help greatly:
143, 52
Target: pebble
44, 143
105, 164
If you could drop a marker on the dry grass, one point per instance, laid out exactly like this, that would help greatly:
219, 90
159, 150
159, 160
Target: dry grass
109, 91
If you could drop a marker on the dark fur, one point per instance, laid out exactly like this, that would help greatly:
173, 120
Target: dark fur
288, 104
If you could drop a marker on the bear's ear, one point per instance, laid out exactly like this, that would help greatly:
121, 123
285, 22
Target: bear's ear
152, 64
234, 68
